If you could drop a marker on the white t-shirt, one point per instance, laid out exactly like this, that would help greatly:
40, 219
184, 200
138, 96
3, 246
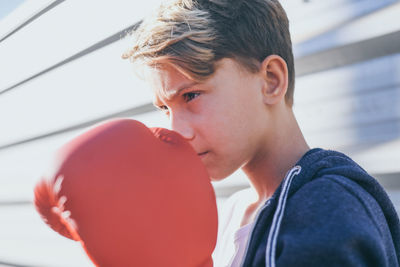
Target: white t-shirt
232, 239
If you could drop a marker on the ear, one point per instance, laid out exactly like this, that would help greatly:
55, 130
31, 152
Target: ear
275, 76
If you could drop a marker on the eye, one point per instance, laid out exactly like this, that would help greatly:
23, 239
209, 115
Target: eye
164, 109
190, 96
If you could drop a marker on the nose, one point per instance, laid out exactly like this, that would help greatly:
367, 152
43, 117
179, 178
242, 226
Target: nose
182, 125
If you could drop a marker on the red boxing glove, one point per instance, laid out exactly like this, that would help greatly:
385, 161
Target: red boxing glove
133, 196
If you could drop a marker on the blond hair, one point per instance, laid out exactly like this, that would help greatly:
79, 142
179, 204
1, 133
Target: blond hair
193, 35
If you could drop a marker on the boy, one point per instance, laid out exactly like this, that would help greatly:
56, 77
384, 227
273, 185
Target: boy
223, 73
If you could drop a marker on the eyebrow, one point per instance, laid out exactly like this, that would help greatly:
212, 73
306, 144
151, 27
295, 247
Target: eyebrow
174, 93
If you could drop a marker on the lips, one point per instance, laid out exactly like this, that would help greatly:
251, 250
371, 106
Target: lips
202, 154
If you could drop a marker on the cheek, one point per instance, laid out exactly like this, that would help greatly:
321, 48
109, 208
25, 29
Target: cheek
228, 144
224, 127
226, 138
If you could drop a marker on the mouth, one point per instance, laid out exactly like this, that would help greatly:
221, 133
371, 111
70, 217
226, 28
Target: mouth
202, 154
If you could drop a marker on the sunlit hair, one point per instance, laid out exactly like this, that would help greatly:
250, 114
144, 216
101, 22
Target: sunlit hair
193, 35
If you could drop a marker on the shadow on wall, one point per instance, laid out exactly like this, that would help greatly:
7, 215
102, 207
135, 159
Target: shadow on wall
375, 85
365, 110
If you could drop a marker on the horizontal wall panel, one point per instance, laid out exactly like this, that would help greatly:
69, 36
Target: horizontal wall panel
22, 166
346, 81
395, 197
380, 158
375, 147
389, 180
67, 29
379, 17
346, 138
352, 111
329, 13
351, 106
337, 57
25, 240
24, 12
93, 86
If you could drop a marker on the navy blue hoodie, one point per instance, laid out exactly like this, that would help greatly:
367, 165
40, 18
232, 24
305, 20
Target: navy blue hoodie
327, 212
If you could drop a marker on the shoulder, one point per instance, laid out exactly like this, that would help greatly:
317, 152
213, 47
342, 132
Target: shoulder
333, 198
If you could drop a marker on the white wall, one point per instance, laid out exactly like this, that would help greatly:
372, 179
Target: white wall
56, 74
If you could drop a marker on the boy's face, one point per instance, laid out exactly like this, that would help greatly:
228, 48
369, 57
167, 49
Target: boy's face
222, 118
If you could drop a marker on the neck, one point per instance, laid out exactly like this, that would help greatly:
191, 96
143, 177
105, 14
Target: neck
278, 153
